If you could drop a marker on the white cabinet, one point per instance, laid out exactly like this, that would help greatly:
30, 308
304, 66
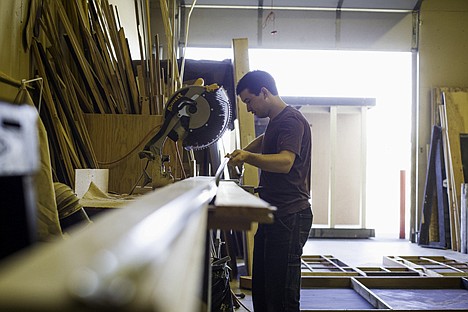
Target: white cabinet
338, 165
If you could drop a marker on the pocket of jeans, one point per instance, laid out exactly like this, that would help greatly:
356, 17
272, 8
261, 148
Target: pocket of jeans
288, 222
305, 220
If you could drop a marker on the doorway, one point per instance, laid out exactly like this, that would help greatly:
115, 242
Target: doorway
385, 76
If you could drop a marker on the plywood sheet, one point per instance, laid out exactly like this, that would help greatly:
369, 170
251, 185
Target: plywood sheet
456, 108
456, 102
118, 138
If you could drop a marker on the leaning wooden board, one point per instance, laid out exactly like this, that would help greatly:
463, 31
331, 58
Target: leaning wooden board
456, 120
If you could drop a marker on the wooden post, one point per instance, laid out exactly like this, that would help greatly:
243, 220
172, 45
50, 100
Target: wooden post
402, 203
332, 172
246, 131
363, 180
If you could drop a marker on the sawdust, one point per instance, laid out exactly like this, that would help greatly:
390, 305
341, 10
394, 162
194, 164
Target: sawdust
95, 197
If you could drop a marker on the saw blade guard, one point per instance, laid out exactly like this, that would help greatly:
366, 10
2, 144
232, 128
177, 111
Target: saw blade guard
210, 119
199, 115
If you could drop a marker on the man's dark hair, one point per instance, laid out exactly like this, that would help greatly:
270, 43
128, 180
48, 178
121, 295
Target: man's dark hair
255, 80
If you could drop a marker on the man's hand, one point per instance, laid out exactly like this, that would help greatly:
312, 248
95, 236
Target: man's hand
237, 157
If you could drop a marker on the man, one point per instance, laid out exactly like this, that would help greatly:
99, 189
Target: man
283, 154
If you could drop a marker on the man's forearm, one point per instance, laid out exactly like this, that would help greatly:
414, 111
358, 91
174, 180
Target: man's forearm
279, 163
255, 146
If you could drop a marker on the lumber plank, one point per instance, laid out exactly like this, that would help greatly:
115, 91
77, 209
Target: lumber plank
246, 129
54, 121
449, 170
79, 57
159, 81
67, 114
235, 208
130, 75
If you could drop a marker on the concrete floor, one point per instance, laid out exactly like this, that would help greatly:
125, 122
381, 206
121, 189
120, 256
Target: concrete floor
360, 253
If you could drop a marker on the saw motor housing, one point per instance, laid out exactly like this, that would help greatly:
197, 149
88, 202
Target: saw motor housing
197, 115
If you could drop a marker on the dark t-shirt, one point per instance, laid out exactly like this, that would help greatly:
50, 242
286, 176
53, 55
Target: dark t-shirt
288, 192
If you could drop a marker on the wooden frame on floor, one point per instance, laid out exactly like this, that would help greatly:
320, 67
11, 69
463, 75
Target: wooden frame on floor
325, 265
431, 265
384, 294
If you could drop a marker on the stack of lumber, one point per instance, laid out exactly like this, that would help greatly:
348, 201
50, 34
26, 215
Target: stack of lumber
82, 54
450, 114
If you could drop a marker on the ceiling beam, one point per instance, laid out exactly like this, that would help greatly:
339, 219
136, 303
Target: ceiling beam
298, 8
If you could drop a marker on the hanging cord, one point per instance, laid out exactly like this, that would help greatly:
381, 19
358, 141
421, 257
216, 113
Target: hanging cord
145, 138
235, 300
182, 67
270, 18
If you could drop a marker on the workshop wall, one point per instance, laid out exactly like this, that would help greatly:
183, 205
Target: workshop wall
14, 60
443, 48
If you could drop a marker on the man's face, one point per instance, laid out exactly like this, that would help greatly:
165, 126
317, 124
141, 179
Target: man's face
256, 104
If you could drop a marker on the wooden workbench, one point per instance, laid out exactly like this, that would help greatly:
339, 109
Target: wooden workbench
153, 249
232, 209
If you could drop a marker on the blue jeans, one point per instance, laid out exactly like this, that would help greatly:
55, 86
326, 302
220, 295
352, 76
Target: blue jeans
276, 276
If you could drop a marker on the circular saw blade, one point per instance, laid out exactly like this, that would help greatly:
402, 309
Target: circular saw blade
210, 120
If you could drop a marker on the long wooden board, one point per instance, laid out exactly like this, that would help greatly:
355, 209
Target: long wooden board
235, 208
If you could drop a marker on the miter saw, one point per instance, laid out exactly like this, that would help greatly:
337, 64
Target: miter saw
198, 115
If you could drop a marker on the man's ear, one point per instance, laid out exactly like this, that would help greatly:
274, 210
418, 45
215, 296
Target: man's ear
264, 91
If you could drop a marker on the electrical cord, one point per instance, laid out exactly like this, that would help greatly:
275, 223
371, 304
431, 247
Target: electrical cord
145, 138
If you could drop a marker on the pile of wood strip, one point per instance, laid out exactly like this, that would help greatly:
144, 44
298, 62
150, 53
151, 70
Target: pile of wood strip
83, 56
450, 114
